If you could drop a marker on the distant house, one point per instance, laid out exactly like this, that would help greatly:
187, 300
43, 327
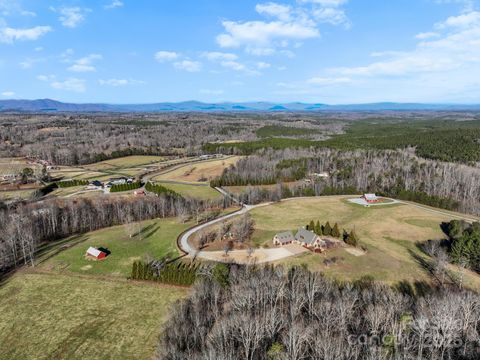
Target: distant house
323, 175
118, 181
95, 185
370, 198
96, 254
284, 238
139, 192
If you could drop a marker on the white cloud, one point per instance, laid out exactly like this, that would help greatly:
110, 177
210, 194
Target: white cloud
286, 24
326, 3
427, 35
188, 65
114, 4
332, 16
219, 56
263, 65
12, 7
162, 56
282, 12
329, 81
8, 93
237, 66
443, 66
259, 33
461, 21
46, 77
28, 63
85, 64
70, 84
9, 35
71, 17
120, 82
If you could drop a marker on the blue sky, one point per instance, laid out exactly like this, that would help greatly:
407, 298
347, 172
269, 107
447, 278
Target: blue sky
320, 51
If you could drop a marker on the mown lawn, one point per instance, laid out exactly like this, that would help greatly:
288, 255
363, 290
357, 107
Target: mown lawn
54, 316
154, 239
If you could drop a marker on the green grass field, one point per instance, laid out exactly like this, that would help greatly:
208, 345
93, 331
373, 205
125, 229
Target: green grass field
157, 239
194, 191
125, 162
391, 234
53, 316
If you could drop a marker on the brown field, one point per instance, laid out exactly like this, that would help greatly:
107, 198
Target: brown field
194, 172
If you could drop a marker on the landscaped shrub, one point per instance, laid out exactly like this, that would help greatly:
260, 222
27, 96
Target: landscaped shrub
159, 189
126, 187
175, 273
71, 183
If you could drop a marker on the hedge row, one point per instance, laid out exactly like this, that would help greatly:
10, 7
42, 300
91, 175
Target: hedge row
70, 183
126, 187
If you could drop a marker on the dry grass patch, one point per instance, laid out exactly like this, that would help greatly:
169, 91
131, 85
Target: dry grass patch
195, 172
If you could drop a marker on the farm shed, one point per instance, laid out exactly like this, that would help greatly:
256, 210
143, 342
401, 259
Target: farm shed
95, 254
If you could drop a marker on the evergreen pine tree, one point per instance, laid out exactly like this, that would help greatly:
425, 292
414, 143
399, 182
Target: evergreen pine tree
318, 228
352, 238
328, 229
311, 226
134, 270
336, 231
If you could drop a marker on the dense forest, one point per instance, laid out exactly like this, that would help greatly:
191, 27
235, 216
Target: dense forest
394, 173
450, 141
72, 139
265, 313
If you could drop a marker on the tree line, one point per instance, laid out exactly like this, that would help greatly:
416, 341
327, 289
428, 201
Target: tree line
27, 226
391, 173
270, 313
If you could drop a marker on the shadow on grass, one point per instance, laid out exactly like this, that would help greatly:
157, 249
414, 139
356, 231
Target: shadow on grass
415, 289
49, 250
148, 231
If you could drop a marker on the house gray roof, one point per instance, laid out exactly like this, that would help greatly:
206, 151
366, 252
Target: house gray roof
305, 236
285, 237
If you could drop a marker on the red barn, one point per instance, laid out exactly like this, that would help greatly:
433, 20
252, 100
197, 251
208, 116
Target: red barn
95, 254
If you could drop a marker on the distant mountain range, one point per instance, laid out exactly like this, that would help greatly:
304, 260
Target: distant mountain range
47, 105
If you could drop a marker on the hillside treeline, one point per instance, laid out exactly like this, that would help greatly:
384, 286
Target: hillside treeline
26, 226
393, 173
437, 139
263, 313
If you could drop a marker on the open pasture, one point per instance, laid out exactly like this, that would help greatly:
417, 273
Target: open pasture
153, 239
199, 171
56, 316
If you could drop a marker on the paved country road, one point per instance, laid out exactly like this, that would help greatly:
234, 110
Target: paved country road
266, 255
